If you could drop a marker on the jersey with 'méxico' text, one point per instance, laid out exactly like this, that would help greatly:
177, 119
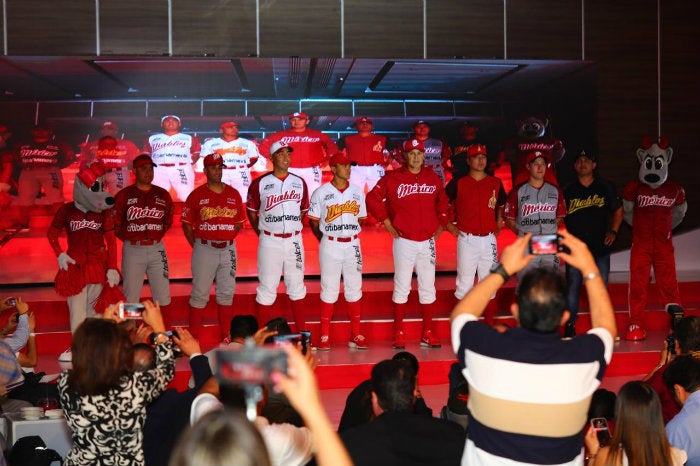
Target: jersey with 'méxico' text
142, 215
311, 147
535, 210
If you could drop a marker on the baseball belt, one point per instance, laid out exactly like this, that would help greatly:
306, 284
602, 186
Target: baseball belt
172, 164
234, 167
476, 234
216, 244
144, 242
281, 235
342, 239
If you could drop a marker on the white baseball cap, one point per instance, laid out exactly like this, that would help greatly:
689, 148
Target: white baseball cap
165, 117
280, 145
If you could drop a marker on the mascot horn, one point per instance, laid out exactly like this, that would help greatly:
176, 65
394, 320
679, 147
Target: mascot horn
653, 206
89, 262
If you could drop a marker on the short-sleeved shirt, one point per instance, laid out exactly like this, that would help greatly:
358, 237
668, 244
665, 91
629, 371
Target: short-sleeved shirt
142, 215
86, 231
476, 204
279, 203
338, 212
535, 210
364, 150
588, 211
237, 153
214, 216
174, 148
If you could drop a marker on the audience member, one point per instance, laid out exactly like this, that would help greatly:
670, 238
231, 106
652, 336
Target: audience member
602, 404
358, 405
683, 378
399, 437
11, 377
686, 341
169, 415
639, 438
20, 334
103, 399
529, 391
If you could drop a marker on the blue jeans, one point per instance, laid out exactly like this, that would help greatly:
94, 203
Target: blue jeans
574, 281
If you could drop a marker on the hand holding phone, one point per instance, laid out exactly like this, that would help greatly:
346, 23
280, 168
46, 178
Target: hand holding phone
132, 311
600, 426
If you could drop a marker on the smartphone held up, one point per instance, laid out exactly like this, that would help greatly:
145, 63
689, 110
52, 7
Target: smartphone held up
132, 311
600, 426
546, 244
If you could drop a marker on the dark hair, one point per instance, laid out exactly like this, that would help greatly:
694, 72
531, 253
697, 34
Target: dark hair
220, 438
408, 357
639, 427
541, 300
602, 404
102, 354
280, 325
144, 357
394, 383
688, 334
243, 326
684, 371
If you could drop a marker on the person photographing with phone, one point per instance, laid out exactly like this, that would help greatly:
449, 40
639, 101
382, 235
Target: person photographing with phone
529, 390
536, 207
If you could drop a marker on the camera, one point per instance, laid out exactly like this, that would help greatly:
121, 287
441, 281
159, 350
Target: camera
250, 365
303, 337
131, 311
545, 244
677, 314
600, 426
12, 302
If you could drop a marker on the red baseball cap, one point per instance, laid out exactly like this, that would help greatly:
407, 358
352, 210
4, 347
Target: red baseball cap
110, 125
227, 123
476, 149
143, 159
340, 159
363, 119
214, 160
301, 115
533, 154
413, 144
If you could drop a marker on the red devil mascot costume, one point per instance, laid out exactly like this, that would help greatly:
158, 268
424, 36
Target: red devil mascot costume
653, 206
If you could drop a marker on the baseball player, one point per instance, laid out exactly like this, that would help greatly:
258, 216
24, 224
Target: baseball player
335, 213
437, 153
239, 156
311, 149
368, 151
41, 161
277, 203
536, 207
212, 217
479, 213
412, 204
143, 213
174, 153
115, 154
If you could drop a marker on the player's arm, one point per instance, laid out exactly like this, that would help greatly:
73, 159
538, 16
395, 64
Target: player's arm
615, 222
315, 229
188, 230
195, 148
254, 219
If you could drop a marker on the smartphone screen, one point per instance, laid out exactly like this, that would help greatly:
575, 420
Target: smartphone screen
131, 311
600, 425
544, 244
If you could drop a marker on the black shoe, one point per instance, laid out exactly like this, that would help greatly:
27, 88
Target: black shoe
569, 330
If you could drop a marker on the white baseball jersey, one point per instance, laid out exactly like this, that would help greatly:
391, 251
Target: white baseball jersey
279, 203
338, 212
177, 148
237, 155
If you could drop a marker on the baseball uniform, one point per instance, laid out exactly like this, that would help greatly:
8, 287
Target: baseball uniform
311, 149
116, 156
173, 155
652, 244
237, 155
41, 165
417, 206
536, 210
215, 219
92, 245
368, 153
141, 218
436, 153
280, 205
338, 214
475, 212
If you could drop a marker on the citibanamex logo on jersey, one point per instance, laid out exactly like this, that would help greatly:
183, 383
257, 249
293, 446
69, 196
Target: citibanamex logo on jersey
408, 189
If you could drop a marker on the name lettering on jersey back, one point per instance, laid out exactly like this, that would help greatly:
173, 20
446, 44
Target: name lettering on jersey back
136, 213
85, 224
273, 200
207, 213
406, 189
336, 210
654, 201
531, 209
591, 201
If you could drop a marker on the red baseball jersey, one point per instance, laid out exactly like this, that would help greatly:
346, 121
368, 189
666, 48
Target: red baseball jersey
416, 203
142, 215
476, 204
368, 150
44, 155
121, 156
213, 216
280, 203
653, 209
311, 147
86, 236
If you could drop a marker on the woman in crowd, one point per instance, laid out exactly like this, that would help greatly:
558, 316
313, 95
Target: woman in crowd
103, 399
640, 437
